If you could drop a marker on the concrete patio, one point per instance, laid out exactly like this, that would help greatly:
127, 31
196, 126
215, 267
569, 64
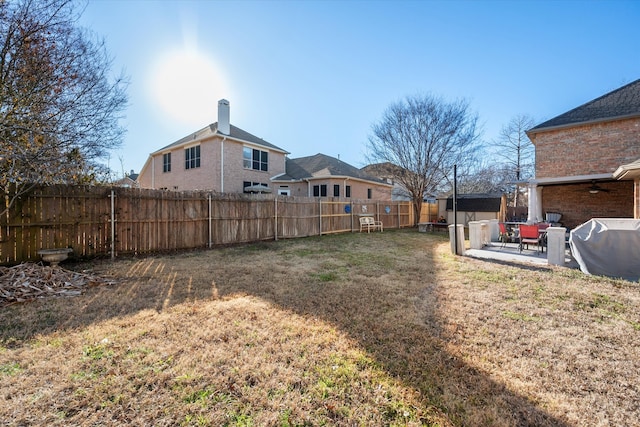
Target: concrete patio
510, 253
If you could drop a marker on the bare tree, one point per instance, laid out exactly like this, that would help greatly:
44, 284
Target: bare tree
425, 136
59, 104
485, 178
516, 150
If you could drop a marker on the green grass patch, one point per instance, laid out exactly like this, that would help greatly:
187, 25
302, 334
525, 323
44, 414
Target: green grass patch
10, 368
96, 352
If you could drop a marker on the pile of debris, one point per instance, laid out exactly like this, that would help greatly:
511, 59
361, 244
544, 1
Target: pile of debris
28, 281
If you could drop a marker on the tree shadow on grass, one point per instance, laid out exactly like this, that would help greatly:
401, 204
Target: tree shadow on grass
385, 299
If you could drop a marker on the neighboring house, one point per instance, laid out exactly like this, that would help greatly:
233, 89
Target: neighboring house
130, 181
220, 157
325, 176
389, 172
473, 207
588, 160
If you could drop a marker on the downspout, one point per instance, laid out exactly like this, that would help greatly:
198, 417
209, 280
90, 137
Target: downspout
222, 164
308, 187
153, 172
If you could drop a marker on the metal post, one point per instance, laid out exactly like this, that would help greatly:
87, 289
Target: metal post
113, 225
455, 207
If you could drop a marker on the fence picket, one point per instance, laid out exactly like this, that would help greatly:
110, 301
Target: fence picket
148, 221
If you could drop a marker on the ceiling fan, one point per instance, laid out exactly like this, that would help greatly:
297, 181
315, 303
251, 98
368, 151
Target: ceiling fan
595, 188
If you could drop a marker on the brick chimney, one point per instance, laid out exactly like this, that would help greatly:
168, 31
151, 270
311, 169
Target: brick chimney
224, 125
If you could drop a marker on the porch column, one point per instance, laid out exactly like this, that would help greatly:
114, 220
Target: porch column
534, 212
540, 217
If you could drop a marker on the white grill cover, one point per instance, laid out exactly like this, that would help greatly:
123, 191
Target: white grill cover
608, 247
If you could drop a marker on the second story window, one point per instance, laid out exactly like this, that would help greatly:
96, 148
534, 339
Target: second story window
347, 191
255, 159
336, 190
166, 162
192, 157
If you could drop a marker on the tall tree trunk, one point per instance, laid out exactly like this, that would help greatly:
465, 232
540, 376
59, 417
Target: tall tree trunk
417, 211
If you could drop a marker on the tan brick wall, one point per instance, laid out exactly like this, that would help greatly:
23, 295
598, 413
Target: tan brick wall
235, 173
577, 205
586, 150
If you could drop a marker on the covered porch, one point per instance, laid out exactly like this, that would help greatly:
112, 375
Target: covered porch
580, 198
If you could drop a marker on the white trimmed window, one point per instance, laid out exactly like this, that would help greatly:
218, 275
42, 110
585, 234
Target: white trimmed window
166, 162
255, 159
192, 157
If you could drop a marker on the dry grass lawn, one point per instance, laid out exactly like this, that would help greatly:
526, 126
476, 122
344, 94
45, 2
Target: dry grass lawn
348, 330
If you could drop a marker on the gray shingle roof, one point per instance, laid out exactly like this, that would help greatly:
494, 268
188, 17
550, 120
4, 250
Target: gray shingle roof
321, 165
236, 133
620, 103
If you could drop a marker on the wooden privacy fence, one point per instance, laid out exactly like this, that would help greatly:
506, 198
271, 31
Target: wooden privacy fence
112, 221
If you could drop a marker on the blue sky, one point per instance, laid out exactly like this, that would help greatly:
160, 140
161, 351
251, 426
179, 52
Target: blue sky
313, 76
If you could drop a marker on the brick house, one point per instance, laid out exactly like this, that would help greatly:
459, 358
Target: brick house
325, 176
219, 157
130, 181
389, 172
587, 160
224, 158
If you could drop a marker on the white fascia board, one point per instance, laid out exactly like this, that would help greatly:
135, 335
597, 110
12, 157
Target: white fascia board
628, 171
275, 178
570, 179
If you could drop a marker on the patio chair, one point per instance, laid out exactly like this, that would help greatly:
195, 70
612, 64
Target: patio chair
530, 234
505, 235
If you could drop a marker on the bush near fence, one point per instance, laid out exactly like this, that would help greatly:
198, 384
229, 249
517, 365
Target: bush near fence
99, 221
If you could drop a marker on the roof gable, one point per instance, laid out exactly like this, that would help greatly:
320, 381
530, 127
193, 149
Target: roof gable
321, 165
620, 103
235, 132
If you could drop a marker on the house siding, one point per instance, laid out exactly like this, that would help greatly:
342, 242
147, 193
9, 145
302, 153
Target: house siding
577, 205
587, 149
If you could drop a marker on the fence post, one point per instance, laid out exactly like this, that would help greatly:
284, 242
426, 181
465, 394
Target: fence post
275, 226
113, 225
399, 220
209, 214
320, 218
351, 211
